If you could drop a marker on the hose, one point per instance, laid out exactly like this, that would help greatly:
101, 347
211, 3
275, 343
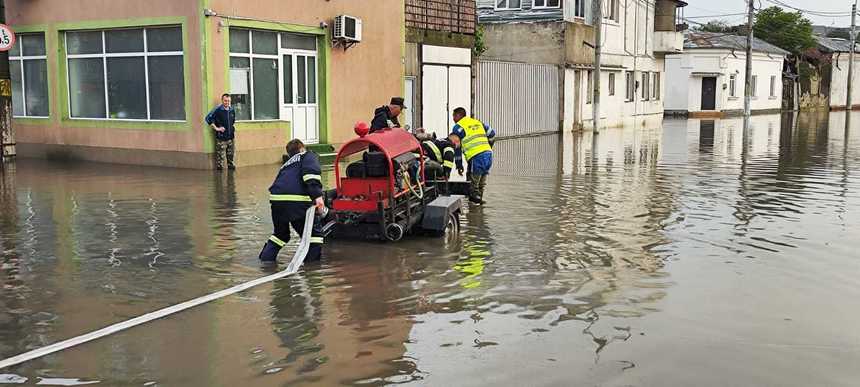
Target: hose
292, 268
420, 193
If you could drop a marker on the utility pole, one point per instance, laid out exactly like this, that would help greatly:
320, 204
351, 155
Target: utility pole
748, 75
848, 102
7, 139
597, 11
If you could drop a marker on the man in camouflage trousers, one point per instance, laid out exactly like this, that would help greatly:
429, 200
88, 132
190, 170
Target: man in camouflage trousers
221, 119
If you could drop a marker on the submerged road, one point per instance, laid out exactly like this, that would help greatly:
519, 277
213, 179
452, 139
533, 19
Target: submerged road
687, 254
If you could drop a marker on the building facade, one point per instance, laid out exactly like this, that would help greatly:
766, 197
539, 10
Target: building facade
837, 53
527, 34
440, 35
131, 82
708, 77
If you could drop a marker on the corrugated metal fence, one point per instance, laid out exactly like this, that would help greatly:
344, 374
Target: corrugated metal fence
517, 99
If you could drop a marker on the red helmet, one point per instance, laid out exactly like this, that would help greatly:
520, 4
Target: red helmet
361, 128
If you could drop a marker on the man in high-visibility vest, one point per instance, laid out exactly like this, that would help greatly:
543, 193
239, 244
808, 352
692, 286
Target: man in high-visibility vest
474, 139
441, 152
297, 187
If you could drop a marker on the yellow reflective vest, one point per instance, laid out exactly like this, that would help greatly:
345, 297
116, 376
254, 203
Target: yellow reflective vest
475, 140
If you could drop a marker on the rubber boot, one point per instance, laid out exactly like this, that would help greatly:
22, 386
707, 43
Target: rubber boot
269, 254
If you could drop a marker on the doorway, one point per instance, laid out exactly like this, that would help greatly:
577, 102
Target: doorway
709, 93
299, 94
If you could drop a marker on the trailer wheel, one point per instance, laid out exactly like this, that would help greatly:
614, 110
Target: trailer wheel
394, 232
452, 228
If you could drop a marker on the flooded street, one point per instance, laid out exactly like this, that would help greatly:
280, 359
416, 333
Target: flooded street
687, 254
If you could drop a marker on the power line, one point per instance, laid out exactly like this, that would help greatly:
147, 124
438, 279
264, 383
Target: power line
714, 16
811, 12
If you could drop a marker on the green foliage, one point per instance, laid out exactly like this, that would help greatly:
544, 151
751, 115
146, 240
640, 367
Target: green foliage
480, 46
841, 33
717, 26
787, 30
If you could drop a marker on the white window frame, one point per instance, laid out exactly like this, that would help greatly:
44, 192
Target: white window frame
545, 6
629, 86
646, 88
733, 85
507, 6
611, 84
753, 81
589, 86
773, 86
21, 58
655, 79
579, 5
105, 55
250, 55
611, 10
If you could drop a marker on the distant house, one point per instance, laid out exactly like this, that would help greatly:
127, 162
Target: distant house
708, 78
536, 72
837, 52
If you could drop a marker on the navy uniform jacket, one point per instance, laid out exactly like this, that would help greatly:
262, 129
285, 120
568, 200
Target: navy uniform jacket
224, 118
440, 151
382, 119
298, 180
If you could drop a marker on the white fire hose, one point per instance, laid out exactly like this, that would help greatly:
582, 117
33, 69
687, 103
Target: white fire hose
292, 268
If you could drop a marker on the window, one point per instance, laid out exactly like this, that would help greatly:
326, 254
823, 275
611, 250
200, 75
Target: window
29, 70
733, 81
508, 4
630, 86
773, 86
579, 8
610, 10
655, 86
646, 89
547, 3
127, 74
589, 86
753, 85
611, 84
254, 74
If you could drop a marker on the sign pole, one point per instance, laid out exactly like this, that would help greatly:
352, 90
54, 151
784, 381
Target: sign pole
7, 136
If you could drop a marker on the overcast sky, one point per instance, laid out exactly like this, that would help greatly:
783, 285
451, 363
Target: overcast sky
721, 7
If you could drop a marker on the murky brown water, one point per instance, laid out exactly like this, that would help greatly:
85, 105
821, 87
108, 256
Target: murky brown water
681, 255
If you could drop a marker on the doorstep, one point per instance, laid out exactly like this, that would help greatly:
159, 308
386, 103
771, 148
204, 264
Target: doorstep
325, 151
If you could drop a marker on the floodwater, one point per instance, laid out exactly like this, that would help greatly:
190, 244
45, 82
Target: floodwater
687, 254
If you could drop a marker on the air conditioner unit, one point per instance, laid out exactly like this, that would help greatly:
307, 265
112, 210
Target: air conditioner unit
347, 28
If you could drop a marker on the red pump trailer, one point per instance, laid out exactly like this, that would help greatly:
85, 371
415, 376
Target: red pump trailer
384, 194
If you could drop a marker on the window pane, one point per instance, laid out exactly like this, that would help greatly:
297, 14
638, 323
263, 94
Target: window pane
312, 77
239, 41
299, 42
501, 4
126, 88
87, 42
33, 44
265, 42
124, 40
242, 102
164, 39
301, 80
514, 3
265, 89
17, 91
288, 79
540, 3
16, 49
166, 88
87, 87
36, 83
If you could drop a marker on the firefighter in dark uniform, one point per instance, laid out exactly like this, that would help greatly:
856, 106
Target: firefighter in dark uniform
297, 188
440, 151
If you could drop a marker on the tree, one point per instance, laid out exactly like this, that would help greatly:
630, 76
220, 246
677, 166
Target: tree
714, 26
841, 33
787, 30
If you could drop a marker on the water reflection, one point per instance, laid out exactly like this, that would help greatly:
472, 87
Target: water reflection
629, 257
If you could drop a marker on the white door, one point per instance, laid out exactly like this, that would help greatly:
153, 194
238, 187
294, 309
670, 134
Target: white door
459, 92
409, 97
299, 93
434, 94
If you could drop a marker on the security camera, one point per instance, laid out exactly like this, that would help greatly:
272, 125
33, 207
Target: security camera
209, 12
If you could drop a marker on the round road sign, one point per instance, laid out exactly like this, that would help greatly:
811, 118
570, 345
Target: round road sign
7, 38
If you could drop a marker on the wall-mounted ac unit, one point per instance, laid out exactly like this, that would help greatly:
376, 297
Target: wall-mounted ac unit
347, 29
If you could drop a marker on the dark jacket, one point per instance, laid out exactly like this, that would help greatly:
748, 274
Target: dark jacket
440, 151
299, 179
223, 118
381, 118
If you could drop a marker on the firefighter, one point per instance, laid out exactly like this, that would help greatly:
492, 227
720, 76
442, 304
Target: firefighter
297, 187
474, 139
441, 152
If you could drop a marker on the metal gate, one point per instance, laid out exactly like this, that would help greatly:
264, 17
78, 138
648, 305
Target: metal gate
517, 98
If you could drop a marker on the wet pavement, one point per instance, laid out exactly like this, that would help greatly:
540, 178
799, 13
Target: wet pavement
689, 254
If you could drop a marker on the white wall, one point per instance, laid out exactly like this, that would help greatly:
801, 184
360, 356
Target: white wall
725, 63
839, 81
